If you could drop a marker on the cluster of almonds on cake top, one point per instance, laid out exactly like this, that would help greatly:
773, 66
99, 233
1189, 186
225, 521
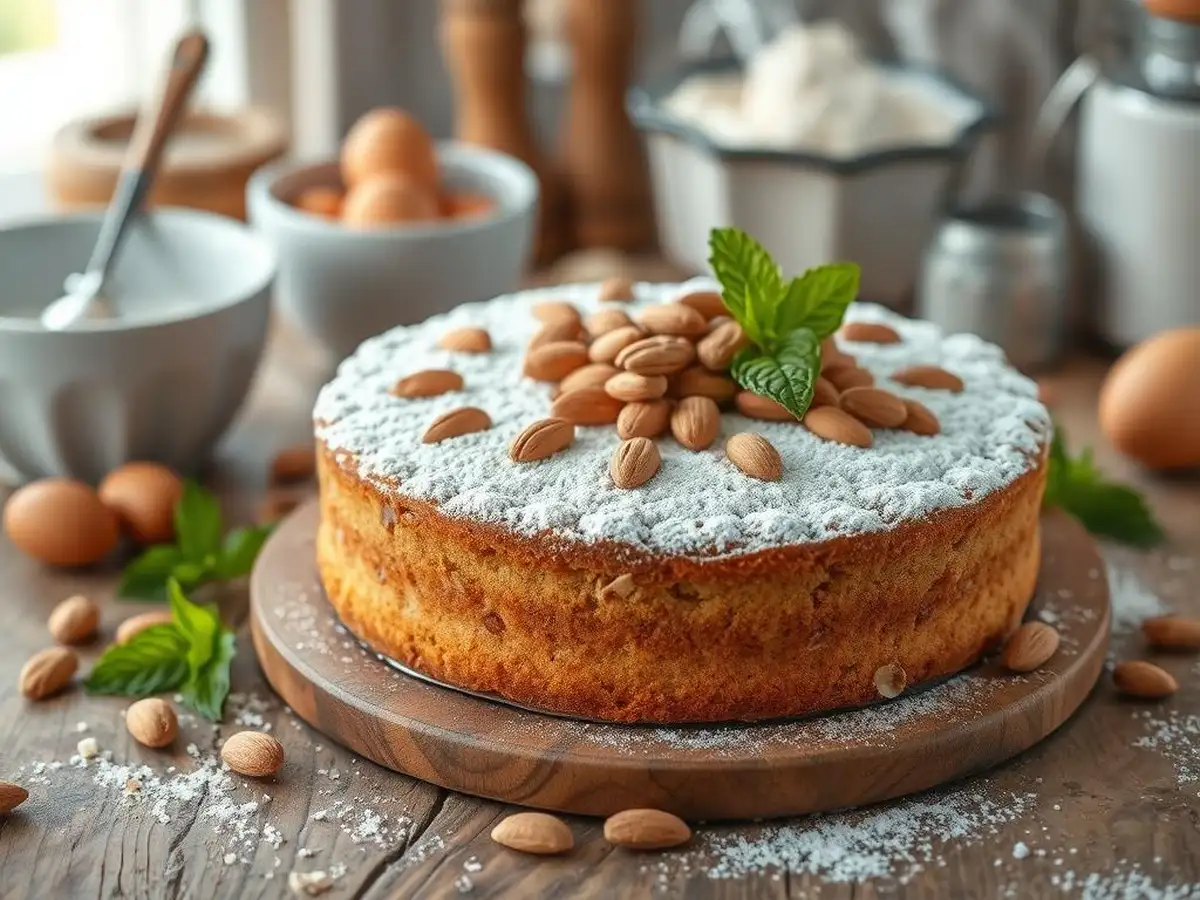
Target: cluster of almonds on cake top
667, 369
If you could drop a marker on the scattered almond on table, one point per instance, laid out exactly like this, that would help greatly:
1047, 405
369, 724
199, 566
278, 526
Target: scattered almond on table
646, 829
1172, 633
74, 620
534, 832
1144, 680
48, 672
11, 796
253, 753
152, 722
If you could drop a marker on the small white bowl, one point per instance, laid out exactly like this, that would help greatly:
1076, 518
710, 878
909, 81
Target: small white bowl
342, 285
162, 383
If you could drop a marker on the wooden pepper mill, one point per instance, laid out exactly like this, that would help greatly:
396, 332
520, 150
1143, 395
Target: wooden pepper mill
604, 166
483, 42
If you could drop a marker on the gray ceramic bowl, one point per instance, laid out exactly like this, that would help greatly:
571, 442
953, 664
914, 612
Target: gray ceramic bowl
342, 285
162, 384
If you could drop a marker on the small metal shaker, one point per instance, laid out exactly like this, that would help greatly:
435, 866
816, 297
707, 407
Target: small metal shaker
1000, 270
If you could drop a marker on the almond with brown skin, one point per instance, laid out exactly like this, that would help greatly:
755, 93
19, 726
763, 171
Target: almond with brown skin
646, 829
294, 464
645, 418
755, 456
673, 318
457, 422
557, 311
1172, 633
756, 407
74, 620
631, 387
543, 438
846, 377
466, 340
139, 623
617, 289
1138, 678
48, 672
607, 347
824, 393
428, 383
591, 375
1030, 647
920, 419
930, 377
869, 333
11, 796
708, 303
534, 832
634, 463
697, 381
152, 722
832, 357
696, 422
873, 407
834, 424
717, 348
586, 406
253, 753
555, 361
551, 332
606, 320
659, 355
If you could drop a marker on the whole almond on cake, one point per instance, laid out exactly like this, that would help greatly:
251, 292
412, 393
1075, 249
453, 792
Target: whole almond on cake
837, 425
644, 418
717, 348
1172, 633
556, 360
606, 320
74, 620
869, 333
933, 378
662, 354
755, 456
456, 423
466, 340
757, 407
1144, 680
560, 330
606, 347
152, 722
617, 289
920, 419
11, 796
708, 303
1030, 647
47, 672
631, 387
586, 406
697, 381
541, 439
673, 318
591, 375
646, 829
634, 462
873, 407
844, 378
557, 311
534, 832
253, 753
696, 422
824, 393
428, 383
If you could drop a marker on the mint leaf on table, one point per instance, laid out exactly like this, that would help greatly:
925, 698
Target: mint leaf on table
239, 550
198, 624
152, 661
788, 377
1104, 508
206, 690
198, 524
146, 577
785, 323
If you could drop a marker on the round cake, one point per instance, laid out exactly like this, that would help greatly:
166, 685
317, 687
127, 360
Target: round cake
485, 523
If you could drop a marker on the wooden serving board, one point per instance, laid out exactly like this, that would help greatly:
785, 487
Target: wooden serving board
480, 746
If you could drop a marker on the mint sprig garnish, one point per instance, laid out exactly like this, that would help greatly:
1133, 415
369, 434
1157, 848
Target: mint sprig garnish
1104, 508
192, 655
202, 552
784, 321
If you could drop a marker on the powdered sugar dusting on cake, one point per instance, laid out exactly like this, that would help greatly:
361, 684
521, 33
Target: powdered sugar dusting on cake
698, 502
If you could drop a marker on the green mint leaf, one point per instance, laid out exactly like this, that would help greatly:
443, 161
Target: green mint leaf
239, 551
1104, 508
817, 299
199, 626
206, 690
146, 577
198, 524
751, 285
788, 376
152, 661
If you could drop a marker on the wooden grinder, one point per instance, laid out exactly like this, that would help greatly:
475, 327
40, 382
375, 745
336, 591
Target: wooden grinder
483, 42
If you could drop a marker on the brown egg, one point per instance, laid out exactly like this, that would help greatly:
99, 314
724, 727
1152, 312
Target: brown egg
389, 200
389, 141
1150, 402
60, 522
143, 496
321, 201
467, 205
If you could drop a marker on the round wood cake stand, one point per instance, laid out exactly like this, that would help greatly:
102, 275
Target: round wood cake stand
479, 746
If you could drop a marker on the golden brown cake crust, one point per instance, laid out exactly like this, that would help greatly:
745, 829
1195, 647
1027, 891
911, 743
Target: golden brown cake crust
784, 631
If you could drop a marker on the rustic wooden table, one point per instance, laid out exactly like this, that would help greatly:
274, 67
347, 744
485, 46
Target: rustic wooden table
1106, 807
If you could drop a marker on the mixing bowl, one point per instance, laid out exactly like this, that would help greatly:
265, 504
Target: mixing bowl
161, 382
342, 285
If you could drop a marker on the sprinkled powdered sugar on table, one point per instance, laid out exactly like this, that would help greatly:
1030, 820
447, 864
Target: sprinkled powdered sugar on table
698, 501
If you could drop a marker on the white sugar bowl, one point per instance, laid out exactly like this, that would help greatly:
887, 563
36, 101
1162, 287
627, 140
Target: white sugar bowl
160, 382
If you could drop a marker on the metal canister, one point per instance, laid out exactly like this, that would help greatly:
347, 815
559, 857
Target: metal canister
1000, 270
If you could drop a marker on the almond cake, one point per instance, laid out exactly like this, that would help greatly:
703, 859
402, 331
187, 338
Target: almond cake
604, 525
